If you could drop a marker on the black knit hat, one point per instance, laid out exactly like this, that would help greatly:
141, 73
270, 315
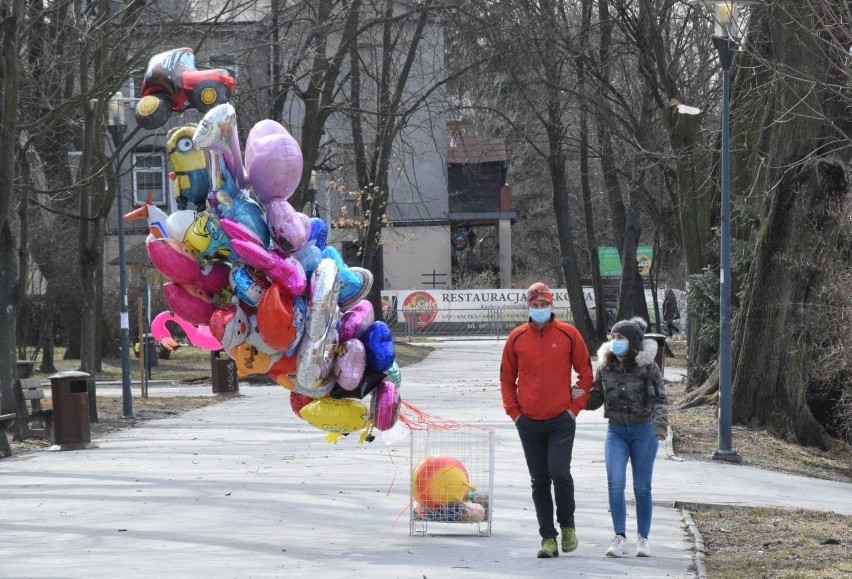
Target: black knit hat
632, 329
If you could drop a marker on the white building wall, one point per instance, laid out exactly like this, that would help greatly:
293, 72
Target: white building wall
417, 256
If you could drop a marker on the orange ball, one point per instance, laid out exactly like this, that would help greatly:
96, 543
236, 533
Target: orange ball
440, 480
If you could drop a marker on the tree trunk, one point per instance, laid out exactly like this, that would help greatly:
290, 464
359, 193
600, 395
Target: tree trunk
769, 386
8, 274
807, 189
9, 21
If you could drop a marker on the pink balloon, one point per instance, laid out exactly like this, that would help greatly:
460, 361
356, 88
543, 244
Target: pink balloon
176, 261
349, 364
198, 335
189, 302
283, 270
355, 321
289, 229
385, 405
275, 168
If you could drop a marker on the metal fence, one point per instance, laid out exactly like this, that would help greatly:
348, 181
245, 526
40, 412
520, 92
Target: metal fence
489, 321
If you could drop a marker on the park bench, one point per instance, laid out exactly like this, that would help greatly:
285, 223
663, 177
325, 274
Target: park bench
28, 397
6, 422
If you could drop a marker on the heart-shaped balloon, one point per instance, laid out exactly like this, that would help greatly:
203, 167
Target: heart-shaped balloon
275, 168
355, 321
379, 343
288, 228
189, 302
350, 364
385, 406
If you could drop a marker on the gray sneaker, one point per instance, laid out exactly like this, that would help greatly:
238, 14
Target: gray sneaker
643, 547
618, 547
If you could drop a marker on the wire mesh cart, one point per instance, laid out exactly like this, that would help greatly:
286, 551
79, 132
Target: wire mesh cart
452, 480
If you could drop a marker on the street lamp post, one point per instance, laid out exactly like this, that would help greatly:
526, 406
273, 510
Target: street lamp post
117, 128
725, 14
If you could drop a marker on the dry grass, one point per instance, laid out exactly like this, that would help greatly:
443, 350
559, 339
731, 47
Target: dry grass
765, 542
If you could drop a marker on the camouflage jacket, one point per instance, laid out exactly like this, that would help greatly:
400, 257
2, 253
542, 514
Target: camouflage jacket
630, 396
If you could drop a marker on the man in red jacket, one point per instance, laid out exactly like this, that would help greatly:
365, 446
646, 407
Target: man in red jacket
535, 381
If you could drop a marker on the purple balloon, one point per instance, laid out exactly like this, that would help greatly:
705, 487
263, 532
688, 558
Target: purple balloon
262, 129
355, 321
275, 168
288, 228
350, 364
385, 405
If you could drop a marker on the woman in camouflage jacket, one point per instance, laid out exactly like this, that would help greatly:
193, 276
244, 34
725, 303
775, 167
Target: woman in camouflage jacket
629, 384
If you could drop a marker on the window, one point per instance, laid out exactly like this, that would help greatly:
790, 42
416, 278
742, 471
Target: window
149, 176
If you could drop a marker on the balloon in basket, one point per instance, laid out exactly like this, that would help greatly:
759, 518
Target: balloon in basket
440, 480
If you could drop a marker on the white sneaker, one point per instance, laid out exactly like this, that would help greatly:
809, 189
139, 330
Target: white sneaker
643, 547
618, 547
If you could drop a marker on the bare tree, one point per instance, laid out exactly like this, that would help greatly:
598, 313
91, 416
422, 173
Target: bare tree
10, 19
804, 175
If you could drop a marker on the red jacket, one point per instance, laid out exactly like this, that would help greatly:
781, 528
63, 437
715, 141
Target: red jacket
535, 374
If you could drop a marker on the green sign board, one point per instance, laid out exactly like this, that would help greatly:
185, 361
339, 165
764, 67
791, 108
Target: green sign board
610, 264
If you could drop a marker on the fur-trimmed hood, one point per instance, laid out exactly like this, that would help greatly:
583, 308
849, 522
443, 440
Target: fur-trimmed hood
647, 355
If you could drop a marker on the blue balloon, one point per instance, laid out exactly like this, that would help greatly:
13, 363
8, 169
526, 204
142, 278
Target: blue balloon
378, 341
319, 232
350, 282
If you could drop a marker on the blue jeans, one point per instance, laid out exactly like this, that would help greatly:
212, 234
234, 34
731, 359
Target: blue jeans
548, 445
638, 444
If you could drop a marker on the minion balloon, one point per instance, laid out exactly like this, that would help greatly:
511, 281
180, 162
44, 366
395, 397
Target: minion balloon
191, 177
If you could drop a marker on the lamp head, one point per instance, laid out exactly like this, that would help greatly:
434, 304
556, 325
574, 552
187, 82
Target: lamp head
115, 113
725, 14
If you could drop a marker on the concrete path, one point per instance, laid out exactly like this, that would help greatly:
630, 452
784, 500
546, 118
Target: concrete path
246, 489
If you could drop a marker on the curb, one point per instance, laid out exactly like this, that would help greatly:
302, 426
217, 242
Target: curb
698, 544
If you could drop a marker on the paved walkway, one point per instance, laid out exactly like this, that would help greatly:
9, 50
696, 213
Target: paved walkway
246, 489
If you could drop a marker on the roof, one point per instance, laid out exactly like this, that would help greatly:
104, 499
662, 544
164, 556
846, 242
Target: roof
471, 150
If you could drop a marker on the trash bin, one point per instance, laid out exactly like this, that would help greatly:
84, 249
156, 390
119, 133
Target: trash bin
153, 350
70, 394
661, 350
224, 374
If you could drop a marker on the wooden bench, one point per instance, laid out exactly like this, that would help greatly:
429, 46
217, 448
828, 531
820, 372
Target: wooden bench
28, 397
6, 422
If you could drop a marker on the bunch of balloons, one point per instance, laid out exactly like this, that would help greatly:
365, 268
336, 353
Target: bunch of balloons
250, 275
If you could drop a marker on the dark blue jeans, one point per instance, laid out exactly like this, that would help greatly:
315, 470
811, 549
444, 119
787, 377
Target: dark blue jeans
547, 448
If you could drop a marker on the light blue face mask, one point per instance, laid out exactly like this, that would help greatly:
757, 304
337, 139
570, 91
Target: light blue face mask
620, 348
540, 315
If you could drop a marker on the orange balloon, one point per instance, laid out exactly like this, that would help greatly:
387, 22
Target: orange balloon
440, 480
275, 318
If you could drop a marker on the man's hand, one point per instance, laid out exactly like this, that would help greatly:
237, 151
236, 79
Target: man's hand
576, 392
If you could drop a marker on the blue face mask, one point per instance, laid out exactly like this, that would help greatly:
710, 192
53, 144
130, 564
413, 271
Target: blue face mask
620, 348
540, 315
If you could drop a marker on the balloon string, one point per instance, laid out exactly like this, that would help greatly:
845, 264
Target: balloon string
390, 456
396, 520
416, 419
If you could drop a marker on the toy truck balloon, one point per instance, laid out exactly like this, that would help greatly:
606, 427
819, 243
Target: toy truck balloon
172, 83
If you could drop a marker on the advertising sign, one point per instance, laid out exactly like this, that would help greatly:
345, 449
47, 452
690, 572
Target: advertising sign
610, 264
